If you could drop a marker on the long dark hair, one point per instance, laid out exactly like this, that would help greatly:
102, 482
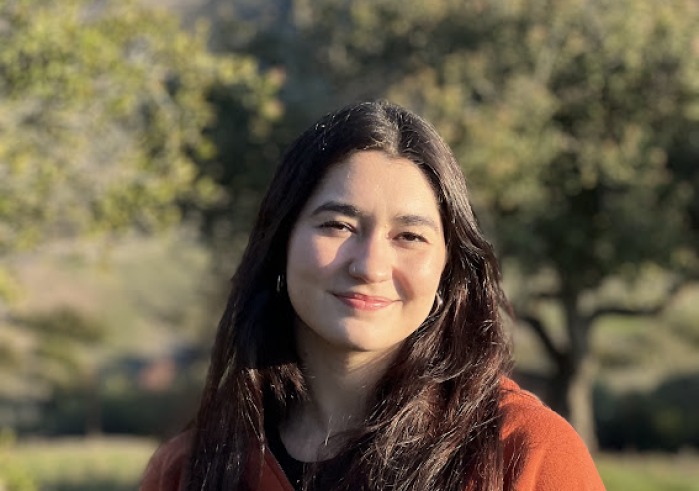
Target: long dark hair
433, 420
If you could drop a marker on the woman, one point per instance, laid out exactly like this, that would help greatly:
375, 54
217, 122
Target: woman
362, 346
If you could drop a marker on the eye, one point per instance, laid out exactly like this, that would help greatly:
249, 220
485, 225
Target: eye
334, 226
411, 237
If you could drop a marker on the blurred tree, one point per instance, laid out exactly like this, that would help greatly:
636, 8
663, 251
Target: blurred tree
576, 120
111, 120
104, 110
66, 355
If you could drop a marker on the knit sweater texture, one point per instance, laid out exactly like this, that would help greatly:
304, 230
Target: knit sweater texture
542, 452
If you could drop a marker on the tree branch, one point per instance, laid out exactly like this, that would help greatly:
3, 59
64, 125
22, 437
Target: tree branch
549, 346
641, 311
547, 295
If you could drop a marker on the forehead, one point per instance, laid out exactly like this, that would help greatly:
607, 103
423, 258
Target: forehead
377, 181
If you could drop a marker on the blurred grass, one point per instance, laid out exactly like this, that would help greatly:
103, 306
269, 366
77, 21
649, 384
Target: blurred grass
100, 464
649, 472
116, 464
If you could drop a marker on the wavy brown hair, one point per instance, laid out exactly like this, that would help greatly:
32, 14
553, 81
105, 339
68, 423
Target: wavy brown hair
433, 421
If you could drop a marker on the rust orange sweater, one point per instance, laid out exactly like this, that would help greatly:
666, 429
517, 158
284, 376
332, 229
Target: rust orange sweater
542, 453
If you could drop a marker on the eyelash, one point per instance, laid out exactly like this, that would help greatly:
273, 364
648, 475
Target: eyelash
342, 227
411, 237
335, 225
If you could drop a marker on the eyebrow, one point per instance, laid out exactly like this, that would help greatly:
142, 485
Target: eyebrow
339, 207
354, 212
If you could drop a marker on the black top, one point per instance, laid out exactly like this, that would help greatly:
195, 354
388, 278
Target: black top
323, 473
294, 469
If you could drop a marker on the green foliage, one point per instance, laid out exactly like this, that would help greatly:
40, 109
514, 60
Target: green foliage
682, 320
63, 347
576, 123
128, 410
65, 344
65, 323
103, 110
569, 117
664, 418
107, 124
564, 118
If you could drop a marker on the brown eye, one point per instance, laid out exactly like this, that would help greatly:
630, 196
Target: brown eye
411, 237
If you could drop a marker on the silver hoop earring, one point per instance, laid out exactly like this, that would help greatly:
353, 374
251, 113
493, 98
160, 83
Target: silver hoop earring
281, 283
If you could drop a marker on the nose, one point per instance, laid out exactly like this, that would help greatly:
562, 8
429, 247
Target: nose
371, 259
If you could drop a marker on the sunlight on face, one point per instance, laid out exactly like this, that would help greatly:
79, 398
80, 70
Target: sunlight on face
366, 254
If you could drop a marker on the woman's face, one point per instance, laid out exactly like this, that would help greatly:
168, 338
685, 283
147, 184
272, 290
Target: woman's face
366, 254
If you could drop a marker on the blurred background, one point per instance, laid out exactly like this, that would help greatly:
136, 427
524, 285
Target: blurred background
136, 138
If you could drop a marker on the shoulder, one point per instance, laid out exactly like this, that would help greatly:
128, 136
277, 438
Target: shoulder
168, 465
542, 451
165, 470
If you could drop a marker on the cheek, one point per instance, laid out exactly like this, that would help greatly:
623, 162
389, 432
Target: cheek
309, 256
421, 277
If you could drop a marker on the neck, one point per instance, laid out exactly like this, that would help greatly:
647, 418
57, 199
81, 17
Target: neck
339, 384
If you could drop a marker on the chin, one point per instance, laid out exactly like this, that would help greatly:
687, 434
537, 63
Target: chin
366, 344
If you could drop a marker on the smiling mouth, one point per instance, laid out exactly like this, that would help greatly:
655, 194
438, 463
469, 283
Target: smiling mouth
363, 302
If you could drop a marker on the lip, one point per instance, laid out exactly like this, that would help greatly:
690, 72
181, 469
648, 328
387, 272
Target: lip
360, 301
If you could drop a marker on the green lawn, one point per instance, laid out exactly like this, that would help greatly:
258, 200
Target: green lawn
116, 464
113, 464
655, 472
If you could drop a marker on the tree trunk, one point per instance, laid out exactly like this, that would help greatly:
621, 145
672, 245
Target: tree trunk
572, 384
93, 404
570, 390
581, 404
